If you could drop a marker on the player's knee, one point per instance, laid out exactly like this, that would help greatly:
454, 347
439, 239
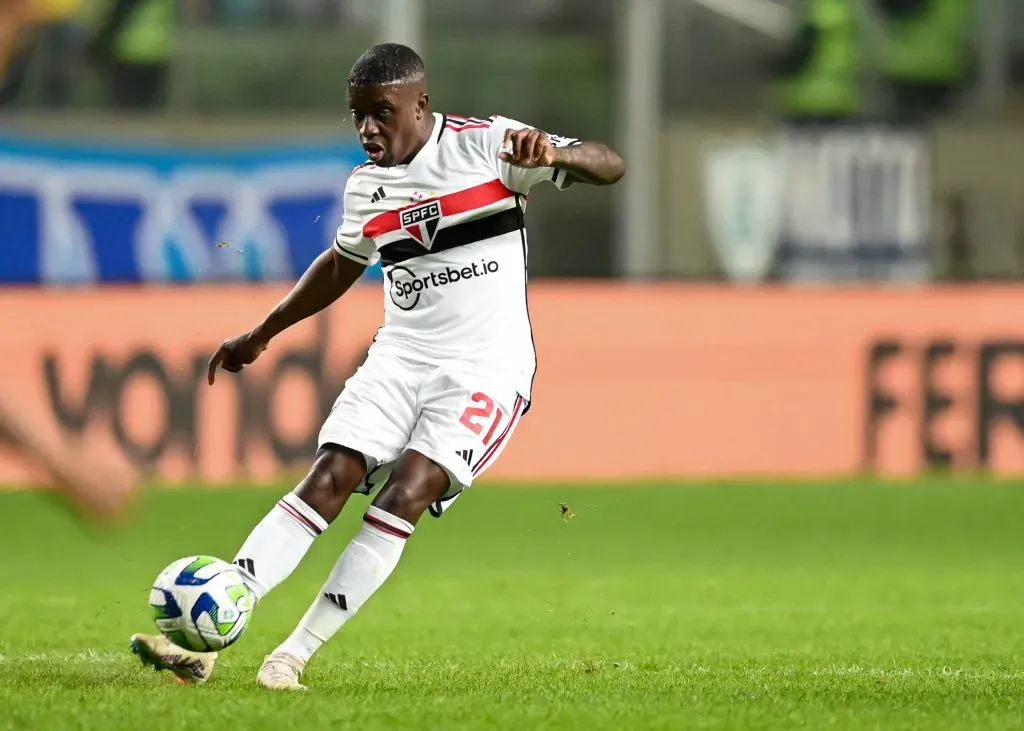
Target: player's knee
335, 474
413, 486
416, 482
405, 498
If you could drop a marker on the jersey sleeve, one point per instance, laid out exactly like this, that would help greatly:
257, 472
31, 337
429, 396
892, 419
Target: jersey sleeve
521, 180
350, 241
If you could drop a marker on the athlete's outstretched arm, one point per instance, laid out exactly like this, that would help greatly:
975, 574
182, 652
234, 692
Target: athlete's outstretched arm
589, 162
328, 277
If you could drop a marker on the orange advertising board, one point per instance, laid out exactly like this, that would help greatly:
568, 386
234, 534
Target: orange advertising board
635, 380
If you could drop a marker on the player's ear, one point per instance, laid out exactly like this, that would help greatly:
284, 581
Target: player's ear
422, 105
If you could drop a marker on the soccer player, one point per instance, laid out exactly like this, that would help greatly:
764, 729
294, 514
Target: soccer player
440, 203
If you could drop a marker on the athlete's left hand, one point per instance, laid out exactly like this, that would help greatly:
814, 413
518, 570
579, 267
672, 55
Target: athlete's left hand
527, 148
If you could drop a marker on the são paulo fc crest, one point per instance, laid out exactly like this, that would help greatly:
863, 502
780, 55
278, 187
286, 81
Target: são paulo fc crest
743, 193
421, 222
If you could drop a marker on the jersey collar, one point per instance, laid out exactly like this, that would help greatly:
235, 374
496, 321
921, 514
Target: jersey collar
430, 145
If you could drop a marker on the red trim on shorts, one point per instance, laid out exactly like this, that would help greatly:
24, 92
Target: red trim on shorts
492, 450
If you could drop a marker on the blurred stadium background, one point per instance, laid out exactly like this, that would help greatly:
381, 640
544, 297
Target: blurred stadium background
812, 186
811, 272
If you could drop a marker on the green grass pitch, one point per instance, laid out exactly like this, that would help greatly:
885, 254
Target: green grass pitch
852, 606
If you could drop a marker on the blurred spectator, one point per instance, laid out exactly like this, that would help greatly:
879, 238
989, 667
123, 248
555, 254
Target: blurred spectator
49, 32
132, 47
820, 72
926, 54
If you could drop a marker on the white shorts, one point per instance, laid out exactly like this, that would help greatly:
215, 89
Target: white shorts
459, 419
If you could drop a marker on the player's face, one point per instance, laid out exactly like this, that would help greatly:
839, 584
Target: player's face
388, 118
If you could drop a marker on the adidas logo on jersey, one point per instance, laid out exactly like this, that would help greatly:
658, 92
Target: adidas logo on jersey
467, 455
378, 194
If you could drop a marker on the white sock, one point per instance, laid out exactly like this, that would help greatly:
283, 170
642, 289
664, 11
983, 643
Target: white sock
276, 546
362, 569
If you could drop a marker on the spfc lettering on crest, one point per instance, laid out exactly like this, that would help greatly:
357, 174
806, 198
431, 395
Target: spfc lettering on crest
421, 222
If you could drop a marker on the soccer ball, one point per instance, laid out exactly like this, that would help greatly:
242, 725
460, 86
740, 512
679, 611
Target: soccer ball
201, 603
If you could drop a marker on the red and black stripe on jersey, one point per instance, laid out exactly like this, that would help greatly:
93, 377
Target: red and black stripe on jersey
452, 204
503, 222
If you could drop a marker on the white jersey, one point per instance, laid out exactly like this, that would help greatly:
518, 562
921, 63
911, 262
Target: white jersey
448, 230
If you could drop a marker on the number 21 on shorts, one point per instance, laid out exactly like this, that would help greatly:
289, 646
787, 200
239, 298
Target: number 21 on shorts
481, 414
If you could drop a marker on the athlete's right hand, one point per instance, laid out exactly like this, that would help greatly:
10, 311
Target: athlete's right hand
234, 354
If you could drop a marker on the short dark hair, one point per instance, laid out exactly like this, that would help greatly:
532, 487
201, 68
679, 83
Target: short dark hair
386, 63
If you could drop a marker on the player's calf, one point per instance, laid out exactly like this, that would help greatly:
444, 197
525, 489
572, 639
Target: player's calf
335, 475
363, 568
280, 541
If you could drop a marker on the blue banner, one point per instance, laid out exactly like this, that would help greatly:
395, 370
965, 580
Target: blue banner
83, 214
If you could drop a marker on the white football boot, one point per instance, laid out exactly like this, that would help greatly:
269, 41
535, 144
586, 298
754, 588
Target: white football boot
187, 666
281, 671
